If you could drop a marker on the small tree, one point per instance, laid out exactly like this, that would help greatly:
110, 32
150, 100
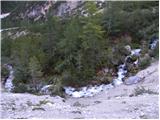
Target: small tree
35, 72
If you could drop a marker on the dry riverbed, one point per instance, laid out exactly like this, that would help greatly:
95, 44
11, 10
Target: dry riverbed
125, 101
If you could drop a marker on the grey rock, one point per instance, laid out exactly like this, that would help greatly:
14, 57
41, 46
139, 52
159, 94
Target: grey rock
132, 80
128, 48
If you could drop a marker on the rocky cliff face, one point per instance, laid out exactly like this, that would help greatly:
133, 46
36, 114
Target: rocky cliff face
40, 9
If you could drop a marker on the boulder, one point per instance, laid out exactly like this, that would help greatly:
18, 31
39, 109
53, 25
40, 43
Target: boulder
125, 50
132, 80
128, 48
46, 89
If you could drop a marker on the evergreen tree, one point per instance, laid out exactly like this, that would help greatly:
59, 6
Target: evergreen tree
83, 47
35, 72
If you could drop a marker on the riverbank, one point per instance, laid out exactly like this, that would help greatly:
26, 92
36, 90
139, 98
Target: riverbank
134, 101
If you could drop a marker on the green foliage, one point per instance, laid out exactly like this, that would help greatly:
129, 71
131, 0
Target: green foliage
7, 6
57, 88
4, 72
35, 71
135, 45
6, 44
83, 49
20, 88
69, 52
138, 18
90, 8
144, 63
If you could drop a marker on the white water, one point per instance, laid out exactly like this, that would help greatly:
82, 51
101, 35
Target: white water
9, 84
13, 28
4, 15
153, 44
121, 74
87, 91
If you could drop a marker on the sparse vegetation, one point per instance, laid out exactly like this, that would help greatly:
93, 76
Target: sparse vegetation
38, 108
144, 63
141, 90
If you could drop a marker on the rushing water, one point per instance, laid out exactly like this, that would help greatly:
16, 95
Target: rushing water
13, 28
4, 15
9, 84
153, 43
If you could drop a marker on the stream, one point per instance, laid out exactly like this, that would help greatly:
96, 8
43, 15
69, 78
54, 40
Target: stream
9, 82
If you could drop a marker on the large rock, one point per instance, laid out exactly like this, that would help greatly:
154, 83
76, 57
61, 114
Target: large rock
133, 80
128, 48
46, 89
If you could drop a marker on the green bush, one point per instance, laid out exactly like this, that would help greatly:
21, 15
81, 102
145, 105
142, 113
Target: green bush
144, 63
135, 45
4, 72
57, 86
6, 47
20, 88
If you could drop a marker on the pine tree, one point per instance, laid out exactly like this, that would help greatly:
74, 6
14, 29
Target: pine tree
35, 72
83, 47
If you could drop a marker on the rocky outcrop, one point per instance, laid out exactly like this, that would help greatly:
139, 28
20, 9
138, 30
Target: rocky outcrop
34, 10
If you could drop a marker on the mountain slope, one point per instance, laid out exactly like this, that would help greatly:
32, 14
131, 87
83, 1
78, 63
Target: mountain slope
120, 102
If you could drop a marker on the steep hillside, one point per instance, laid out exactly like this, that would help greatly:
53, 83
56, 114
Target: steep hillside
138, 101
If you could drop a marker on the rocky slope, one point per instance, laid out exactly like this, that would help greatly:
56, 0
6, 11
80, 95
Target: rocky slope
39, 11
134, 101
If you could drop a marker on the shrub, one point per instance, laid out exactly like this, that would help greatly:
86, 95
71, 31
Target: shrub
135, 45
20, 88
35, 72
141, 90
144, 62
4, 72
57, 87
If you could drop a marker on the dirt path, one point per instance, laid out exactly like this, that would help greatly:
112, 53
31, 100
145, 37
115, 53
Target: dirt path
133, 101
